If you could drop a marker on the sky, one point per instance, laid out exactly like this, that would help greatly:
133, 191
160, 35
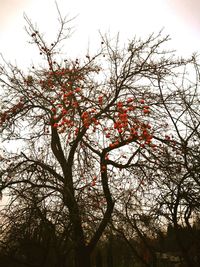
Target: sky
178, 18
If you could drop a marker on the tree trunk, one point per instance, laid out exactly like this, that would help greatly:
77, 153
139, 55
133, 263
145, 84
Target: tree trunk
99, 262
82, 257
110, 252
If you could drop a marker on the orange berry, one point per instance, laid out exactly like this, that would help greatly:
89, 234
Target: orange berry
129, 100
108, 135
146, 111
77, 90
55, 125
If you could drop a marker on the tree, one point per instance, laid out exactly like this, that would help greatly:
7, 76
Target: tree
179, 169
35, 231
85, 127
172, 194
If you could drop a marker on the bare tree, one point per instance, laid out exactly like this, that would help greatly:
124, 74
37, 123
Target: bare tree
84, 127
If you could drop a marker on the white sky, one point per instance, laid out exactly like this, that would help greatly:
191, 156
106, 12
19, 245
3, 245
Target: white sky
179, 18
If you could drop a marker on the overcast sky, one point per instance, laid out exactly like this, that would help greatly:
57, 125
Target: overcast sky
179, 18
